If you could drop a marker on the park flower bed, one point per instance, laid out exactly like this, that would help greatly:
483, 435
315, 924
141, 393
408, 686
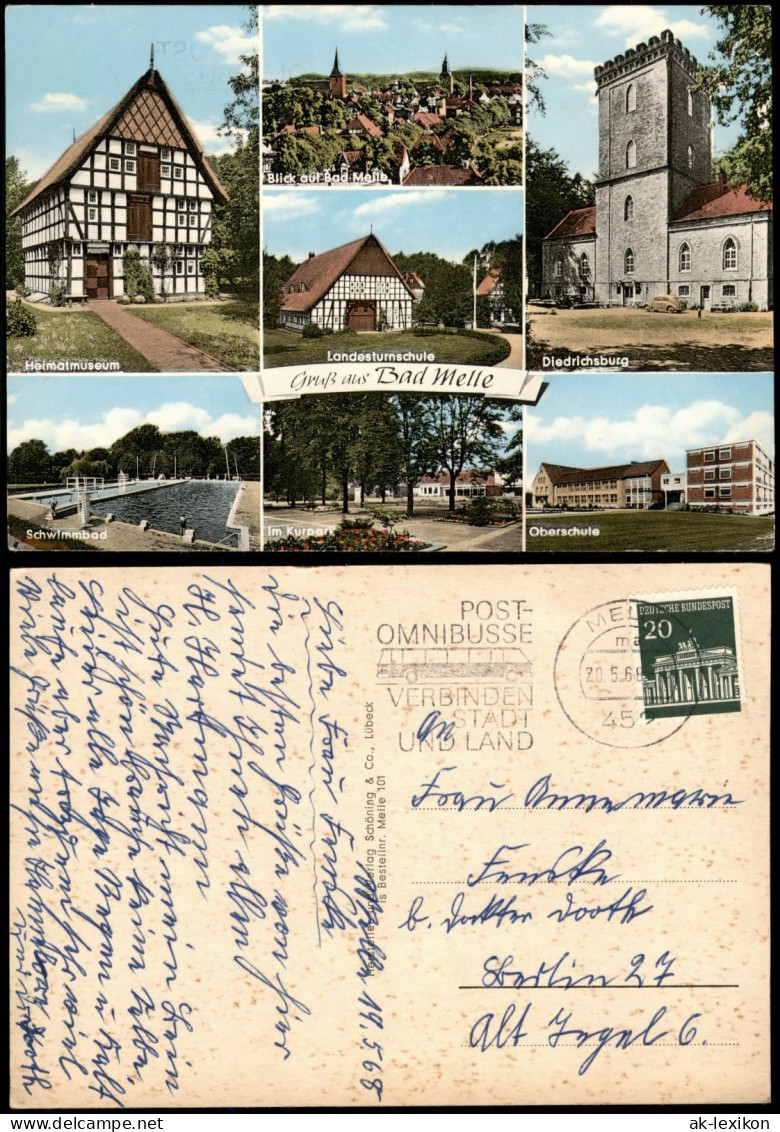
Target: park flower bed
358, 537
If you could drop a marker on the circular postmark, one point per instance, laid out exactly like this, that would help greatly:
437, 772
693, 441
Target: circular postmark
604, 681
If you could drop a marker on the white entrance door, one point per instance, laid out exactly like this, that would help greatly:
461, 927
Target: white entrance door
705, 297
628, 294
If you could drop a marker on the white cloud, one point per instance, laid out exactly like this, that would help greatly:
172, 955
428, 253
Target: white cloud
173, 416
33, 165
589, 88
230, 425
348, 17
59, 101
654, 431
12, 398
636, 23
230, 43
212, 141
383, 205
289, 206
567, 66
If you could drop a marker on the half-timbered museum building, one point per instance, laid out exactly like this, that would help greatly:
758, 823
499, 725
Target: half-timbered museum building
353, 287
137, 178
660, 224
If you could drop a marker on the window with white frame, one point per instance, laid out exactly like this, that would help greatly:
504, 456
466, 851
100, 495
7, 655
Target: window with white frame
709, 493
724, 454
724, 492
729, 255
130, 147
179, 266
92, 214
628, 261
190, 266
630, 156
92, 197
114, 165
559, 269
729, 291
193, 220
724, 473
192, 205
129, 167
178, 173
683, 291
685, 257
584, 266
165, 170
165, 153
709, 455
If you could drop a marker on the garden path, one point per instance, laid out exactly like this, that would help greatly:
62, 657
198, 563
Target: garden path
168, 353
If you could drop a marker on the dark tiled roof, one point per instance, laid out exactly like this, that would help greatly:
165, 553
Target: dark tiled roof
360, 120
148, 112
717, 199
577, 222
559, 474
444, 175
318, 273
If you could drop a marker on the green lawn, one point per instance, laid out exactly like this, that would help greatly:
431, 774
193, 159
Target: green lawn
227, 332
74, 334
286, 347
654, 530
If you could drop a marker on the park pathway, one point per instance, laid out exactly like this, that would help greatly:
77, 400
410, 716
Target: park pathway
516, 352
166, 352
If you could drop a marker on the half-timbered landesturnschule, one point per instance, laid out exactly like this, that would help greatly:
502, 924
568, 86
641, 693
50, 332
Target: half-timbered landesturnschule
137, 178
353, 287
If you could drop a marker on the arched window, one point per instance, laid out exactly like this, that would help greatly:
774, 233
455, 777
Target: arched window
729, 254
584, 266
690, 103
628, 262
559, 269
628, 209
685, 257
690, 158
630, 156
630, 98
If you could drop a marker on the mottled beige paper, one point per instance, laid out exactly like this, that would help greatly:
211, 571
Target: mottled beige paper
224, 894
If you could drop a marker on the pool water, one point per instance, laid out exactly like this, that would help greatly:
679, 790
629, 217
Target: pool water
206, 505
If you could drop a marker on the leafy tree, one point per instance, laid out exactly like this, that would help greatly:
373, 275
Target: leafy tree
276, 271
552, 192
740, 86
83, 466
236, 224
163, 259
16, 189
467, 431
31, 463
533, 72
417, 451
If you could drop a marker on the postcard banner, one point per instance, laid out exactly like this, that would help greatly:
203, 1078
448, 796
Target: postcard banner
389, 836
287, 382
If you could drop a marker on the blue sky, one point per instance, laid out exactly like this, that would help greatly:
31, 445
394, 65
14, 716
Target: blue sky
67, 65
93, 412
449, 222
589, 421
299, 38
581, 38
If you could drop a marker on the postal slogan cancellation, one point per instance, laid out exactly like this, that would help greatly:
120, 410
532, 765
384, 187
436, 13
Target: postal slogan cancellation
294, 837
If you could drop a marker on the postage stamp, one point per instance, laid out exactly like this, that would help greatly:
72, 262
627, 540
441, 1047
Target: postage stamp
688, 656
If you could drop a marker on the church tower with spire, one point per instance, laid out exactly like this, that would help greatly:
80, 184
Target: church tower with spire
337, 82
445, 78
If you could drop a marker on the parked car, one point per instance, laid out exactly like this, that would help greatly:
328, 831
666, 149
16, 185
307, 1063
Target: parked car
669, 304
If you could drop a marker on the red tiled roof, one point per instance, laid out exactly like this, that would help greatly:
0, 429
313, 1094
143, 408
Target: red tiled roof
320, 272
717, 199
444, 175
560, 474
431, 139
577, 222
489, 282
426, 118
355, 158
154, 98
360, 120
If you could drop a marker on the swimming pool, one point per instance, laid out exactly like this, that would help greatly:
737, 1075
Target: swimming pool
205, 503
